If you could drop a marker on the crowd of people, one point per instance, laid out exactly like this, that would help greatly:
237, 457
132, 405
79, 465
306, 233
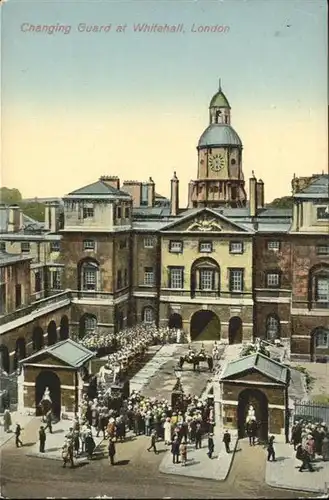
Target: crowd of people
150, 333
310, 440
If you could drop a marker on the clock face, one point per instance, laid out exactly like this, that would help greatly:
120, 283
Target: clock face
216, 162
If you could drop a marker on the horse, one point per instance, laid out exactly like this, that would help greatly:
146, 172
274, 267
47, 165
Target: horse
195, 360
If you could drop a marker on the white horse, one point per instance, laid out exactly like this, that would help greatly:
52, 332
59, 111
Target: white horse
105, 373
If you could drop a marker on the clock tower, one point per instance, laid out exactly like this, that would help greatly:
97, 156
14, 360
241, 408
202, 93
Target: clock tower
220, 179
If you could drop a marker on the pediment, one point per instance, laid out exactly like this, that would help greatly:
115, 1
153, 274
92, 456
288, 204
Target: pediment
205, 221
46, 358
251, 375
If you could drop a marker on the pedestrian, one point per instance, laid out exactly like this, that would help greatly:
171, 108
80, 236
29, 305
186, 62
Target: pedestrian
49, 423
270, 450
211, 445
7, 420
90, 445
112, 451
183, 453
227, 441
175, 449
198, 436
153, 442
325, 448
251, 432
67, 453
42, 439
303, 456
18, 431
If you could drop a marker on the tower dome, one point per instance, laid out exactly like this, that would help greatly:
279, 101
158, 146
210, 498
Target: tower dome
219, 134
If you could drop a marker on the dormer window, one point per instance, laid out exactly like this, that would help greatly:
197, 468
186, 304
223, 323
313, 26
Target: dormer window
176, 247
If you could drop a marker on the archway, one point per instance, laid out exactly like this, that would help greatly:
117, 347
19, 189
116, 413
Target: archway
52, 333
37, 338
51, 380
235, 330
175, 321
259, 401
64, 328
205, 325
319, 346
5, 360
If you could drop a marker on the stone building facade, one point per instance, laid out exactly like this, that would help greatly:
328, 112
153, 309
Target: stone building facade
112, 254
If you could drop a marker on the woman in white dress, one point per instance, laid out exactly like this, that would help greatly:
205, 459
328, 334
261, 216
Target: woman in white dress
167, 431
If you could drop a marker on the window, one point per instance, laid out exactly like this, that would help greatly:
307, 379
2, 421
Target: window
37, 278
176, 246
2, 246
2, 275
322, 289
123, 244
148, 276
127, 212
322, 250
273, 280
176, 277
148, 242
148, 315
205, 247
89, 276
56, 280
236, 280
88, 212
119, 279
89, 245
322, 339
25, 247
233, 162
322, 213
55, 246
207, 279
236, 247
273, 245
126, 277
18, 295
272, 327
119, 212
90, 324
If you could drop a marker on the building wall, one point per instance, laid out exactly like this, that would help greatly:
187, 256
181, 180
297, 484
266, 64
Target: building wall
15, 274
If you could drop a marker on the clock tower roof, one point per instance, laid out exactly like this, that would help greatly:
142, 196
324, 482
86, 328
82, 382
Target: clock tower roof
219, 134
219, 100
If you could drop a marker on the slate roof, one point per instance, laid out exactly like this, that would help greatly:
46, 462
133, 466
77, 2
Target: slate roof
260, 363
99, 188
317, 187
68, 351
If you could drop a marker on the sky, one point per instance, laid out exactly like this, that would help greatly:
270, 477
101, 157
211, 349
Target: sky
78, 104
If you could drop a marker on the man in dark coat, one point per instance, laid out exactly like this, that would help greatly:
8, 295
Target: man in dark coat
251, 429
112, 451
227, 441
42, 439
211, 445
153, 442
198, 436
17, 435
175, 450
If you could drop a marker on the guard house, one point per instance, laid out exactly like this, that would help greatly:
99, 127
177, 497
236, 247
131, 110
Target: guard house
259, 385
61, 370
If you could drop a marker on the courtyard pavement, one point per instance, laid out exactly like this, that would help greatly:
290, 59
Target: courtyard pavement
17, 418
284, 472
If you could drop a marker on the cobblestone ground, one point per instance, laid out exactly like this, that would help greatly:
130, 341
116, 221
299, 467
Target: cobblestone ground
320, 373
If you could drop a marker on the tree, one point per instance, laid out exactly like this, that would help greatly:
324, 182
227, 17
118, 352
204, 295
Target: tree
10, 196
34, 210
284, 202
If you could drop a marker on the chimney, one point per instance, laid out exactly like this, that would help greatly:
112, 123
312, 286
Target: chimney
111, 180
14, 219
51, 216
150, 192
253, 195
260, 194
134, 188
174, 196
190, 194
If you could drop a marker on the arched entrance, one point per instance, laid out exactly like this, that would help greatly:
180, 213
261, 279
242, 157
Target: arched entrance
51, 380
37, 338
64, 328
235, 330
319, 347
205, 325
52, 333
5, 360
258, 400
175, 321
